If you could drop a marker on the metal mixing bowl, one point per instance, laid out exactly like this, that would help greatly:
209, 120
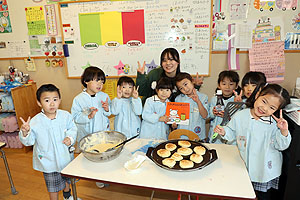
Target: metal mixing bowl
101, 137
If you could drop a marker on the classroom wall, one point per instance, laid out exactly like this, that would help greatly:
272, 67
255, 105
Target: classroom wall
71, 87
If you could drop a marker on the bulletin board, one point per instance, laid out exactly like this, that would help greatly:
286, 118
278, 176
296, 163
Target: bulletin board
276, 18
23, 28
114, 35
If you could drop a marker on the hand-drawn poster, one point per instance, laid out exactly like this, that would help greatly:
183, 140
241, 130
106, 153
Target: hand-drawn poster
5, 25
35, 20
268, 57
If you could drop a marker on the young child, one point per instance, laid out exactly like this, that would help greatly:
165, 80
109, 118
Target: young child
198, 104
91, 108
249, 82
51, 132
127, 107
227, 82
261, 137
154, 124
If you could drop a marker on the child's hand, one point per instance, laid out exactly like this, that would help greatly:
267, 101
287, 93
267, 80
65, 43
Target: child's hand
93, 112
25, 128
105, 105
282, 124
67, 141
217, 113
238, 97
164, 118
197, 80
194, 96
220, 130
135, 92
141, 69
174, 126
119, 92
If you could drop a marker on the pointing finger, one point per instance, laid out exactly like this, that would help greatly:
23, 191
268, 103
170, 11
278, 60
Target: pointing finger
106, 101
280, 113
137, 88
28, 120
235, 93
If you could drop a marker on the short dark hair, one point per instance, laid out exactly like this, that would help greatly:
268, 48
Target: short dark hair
125, 79
92, 73
46, 88
164, 83
183, 75
231, 75
254, 77
171, 52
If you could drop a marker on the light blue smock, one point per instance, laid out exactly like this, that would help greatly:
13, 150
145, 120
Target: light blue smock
80, 111
151, 127
260, 143
127, 113
46, 136
216, 120
196, 122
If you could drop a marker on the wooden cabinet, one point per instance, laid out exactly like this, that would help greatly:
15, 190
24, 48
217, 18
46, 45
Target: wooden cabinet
25, 103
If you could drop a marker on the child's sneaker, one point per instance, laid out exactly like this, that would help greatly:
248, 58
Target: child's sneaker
71, 198
101, 185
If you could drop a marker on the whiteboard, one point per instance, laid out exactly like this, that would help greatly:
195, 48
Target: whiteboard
109, 34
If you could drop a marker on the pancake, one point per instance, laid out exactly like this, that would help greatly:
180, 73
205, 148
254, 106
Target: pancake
196, 158
200, 150
164, 153
184, 143
186, 164
177, 157
170, 146
169, 162
184, 151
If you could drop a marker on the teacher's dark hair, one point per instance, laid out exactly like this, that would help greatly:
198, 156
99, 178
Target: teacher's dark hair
171, 53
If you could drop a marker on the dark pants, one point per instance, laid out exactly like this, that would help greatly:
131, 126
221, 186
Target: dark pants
271, 194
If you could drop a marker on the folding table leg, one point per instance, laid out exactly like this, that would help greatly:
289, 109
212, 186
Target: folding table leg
152, 195
13, 189
74, 188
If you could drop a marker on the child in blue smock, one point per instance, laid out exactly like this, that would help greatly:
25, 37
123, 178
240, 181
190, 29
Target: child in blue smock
127, 107
260, 137
198, 104
91, 108
250, 82
51, 132
228, 82
154, 124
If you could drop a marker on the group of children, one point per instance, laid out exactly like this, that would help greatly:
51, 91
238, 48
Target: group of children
53, 131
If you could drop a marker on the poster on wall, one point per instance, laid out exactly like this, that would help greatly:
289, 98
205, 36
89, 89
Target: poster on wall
35, 20
5, 24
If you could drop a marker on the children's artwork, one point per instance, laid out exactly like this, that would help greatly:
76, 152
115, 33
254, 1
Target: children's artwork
238, 9
286, 4
264, 31
3, 6
5, 25
35, 20
296, 22
264, 5
292, 41
151, 66
268, 58
110, 88
178, 112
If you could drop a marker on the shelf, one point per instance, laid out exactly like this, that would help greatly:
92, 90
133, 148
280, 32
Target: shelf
7, 111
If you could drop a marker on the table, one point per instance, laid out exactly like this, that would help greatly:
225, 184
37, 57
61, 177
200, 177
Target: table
12, 187
227, 177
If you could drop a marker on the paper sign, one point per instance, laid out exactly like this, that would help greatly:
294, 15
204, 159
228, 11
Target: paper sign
268, 58
178, 112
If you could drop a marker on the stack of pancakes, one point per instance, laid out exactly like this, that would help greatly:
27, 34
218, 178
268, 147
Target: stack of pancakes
183, 150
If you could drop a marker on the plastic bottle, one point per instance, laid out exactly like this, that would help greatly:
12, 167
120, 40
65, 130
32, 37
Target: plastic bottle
220, 103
